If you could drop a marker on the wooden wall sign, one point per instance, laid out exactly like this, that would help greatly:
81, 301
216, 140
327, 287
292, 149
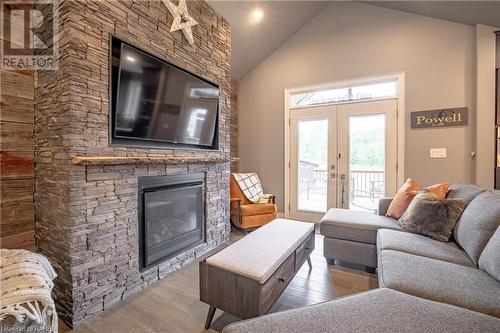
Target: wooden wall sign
440, 118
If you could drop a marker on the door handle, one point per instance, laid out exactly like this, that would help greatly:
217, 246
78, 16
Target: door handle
333, 175
343, 190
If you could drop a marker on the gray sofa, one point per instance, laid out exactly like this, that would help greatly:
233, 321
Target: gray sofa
432, 285
352, 235
379, 310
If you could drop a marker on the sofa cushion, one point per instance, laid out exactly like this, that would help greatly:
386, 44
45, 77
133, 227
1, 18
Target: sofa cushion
431, 216
257, 209
441, 281
355, 225
380, 310
261, 252
478, 223
422, 246
489, 261
466, 192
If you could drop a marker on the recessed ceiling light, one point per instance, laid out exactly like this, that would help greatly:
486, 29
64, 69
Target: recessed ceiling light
256, 15
130, 58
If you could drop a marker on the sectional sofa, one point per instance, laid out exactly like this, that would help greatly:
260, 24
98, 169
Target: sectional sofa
425, 284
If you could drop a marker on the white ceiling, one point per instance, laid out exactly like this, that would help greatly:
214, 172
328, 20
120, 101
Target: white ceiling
252, 43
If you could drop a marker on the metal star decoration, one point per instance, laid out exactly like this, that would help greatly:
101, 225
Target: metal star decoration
182, 20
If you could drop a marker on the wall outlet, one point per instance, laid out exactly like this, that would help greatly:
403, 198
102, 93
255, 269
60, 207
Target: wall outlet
438, 153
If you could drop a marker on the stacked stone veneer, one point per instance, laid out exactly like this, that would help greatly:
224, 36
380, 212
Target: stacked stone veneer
86, 216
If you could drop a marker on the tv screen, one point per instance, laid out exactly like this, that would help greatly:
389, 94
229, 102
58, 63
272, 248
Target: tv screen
156, 102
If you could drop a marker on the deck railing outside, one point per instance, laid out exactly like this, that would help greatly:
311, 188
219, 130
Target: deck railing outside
365, 186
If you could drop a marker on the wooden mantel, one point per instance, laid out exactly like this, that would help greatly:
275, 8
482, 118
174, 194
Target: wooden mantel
114, 160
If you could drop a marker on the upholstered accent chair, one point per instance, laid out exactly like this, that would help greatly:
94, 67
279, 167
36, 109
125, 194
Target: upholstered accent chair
246, 214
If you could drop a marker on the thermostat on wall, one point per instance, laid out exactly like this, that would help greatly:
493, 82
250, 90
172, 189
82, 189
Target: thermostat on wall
438, 153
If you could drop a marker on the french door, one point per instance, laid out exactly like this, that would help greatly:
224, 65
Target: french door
342, 156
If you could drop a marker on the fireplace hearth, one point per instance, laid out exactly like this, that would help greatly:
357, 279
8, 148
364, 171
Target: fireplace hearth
171, 216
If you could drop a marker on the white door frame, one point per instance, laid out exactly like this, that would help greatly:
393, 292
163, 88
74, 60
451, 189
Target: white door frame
401, 121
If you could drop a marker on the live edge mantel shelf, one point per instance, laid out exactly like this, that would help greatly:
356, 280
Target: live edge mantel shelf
114, 160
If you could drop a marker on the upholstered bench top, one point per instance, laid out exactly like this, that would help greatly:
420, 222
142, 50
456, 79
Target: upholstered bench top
261, 252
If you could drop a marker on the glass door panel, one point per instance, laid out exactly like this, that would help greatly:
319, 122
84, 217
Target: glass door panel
367, 153
313, 152
366, 161
312, 181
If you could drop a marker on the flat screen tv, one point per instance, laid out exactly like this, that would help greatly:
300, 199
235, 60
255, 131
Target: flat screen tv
157, 104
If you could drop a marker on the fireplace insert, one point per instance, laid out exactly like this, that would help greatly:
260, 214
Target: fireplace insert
171, 216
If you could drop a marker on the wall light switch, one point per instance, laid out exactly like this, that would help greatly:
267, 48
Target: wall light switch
438, 153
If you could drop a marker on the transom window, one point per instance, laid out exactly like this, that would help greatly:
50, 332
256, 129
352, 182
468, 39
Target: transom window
378, 90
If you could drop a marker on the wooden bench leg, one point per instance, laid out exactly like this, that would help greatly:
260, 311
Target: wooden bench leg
210, 316
309, 263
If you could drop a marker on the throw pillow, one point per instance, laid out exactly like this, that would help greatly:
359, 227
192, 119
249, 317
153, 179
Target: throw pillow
432, 217
440, 190
403, 198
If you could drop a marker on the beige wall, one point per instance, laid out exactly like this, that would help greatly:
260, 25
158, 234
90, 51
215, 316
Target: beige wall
485, 105
349, 40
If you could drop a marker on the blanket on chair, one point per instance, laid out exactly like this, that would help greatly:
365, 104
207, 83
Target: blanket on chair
251, 187
26, 280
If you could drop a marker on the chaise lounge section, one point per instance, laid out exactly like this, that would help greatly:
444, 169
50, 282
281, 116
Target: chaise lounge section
352, 236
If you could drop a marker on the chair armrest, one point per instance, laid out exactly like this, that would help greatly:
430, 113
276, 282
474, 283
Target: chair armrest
235, 211
235, 203
383, 205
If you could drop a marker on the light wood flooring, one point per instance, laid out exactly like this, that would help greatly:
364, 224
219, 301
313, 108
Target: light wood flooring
172, 304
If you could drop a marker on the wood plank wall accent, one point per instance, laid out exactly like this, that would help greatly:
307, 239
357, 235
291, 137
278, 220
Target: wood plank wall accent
17, 171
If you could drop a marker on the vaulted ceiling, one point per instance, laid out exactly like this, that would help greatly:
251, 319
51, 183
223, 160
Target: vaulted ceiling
465, 12
252, 42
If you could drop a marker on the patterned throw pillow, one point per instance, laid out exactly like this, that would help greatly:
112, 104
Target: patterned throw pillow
432, 217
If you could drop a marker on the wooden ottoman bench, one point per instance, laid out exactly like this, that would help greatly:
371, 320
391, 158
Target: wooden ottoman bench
246, 278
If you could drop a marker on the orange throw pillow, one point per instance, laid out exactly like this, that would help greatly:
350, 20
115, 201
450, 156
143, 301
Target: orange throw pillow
440, 190
403, 198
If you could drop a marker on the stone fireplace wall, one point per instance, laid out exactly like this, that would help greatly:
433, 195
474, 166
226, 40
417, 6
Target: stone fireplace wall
86, 216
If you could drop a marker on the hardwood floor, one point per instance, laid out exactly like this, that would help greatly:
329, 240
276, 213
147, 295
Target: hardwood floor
172, 304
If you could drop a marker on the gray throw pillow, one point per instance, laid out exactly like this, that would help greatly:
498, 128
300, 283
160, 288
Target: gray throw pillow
429, 216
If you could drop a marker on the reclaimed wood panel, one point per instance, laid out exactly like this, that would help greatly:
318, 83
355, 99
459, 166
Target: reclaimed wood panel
17, 165
16, 137
16, 109
17, 84
17, 171
17, 223
25, 240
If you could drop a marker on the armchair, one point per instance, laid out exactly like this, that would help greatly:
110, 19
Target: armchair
250, 213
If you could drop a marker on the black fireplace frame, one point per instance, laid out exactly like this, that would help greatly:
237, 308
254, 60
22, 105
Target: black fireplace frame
155, 183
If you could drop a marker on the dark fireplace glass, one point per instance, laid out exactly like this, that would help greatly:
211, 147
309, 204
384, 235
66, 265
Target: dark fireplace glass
171, 216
